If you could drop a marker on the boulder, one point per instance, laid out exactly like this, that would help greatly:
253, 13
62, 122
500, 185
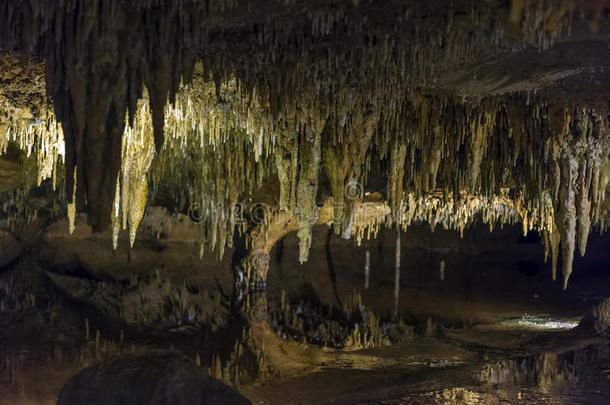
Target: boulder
147, 378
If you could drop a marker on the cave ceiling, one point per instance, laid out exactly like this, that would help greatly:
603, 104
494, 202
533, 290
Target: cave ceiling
447, 112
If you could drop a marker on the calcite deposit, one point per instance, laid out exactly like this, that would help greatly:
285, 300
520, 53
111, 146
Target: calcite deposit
213, 105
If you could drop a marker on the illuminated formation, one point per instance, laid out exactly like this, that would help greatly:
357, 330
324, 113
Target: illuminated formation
213, 112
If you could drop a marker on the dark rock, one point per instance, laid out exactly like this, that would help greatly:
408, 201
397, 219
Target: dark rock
597, 319
10, 248
147, 378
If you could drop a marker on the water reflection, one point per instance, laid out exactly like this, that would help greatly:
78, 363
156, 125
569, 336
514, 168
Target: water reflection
541, 322
300, 343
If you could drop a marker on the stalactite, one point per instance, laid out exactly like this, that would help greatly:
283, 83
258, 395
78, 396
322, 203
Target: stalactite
137, 154
307, 189
198, 126
554, 240
115, 221
434, 159
41, 137
368, 218
285, 169
567, 215
437, 209
225, 128
396, 177
583, 206
336, 165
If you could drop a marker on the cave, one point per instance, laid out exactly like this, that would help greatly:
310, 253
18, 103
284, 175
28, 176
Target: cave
304, 201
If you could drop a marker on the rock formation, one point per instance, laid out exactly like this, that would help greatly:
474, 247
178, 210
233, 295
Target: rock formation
497, 111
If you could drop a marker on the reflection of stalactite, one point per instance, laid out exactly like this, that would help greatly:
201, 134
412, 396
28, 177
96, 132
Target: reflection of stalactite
397, 273
331, 267
240, 283
367, 268
279, 255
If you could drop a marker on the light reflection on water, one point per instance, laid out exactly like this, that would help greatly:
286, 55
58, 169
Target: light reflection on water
541, 322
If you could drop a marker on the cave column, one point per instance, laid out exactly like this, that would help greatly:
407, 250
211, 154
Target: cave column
252, 271
255, 265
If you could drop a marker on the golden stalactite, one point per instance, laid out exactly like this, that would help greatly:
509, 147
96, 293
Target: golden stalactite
441, 210
369, 217
220, 148
138, 149
42, 138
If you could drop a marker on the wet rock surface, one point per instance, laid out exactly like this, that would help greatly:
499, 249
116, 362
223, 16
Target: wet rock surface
147, 378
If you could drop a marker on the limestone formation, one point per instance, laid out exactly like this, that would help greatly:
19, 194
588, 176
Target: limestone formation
221, 106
